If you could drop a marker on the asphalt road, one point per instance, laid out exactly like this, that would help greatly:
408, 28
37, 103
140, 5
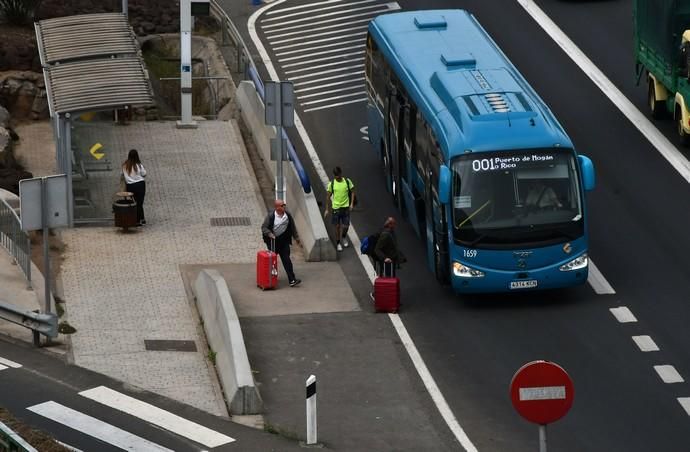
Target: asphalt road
638, 221
44, 392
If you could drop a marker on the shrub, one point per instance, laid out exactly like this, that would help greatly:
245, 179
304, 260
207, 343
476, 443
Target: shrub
18, 12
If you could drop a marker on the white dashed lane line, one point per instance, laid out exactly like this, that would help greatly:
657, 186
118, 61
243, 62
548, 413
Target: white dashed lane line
645, 343
668, 374
623, 314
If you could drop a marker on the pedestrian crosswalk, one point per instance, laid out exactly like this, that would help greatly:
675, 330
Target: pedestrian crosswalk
320, 47
92, 426
118, 437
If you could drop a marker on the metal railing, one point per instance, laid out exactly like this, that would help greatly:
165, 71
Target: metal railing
14, 240
246, 66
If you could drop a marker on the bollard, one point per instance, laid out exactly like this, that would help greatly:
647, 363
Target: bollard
311, 410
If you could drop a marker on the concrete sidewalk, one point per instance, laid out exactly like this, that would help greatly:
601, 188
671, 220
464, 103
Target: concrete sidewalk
122, 289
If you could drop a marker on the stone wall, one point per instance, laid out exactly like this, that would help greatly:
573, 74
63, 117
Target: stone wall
145, 16
24, 94
10, 172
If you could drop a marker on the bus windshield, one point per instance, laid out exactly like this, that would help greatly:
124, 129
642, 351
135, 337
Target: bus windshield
516, 198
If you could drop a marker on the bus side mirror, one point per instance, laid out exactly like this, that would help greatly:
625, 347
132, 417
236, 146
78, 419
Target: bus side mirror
444, 185
587, 169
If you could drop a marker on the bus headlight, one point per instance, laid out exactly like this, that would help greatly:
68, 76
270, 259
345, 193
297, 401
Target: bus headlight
575, 264
464, 271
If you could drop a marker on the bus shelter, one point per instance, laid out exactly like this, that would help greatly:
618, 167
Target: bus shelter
91, 64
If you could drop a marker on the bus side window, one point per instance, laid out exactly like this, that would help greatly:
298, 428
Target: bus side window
421, 147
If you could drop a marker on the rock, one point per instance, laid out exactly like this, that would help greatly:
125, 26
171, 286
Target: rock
4, 117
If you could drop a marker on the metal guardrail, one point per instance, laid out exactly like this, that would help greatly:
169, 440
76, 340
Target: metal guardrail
45, 324
245, 65
14, 240
11, 441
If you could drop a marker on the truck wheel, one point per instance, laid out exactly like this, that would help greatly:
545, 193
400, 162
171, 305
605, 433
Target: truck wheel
684, 137
656, 107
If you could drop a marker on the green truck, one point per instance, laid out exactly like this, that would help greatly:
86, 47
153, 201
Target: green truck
661, 34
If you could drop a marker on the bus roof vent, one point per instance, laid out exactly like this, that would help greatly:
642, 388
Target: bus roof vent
430, 21
497, 102
452, 59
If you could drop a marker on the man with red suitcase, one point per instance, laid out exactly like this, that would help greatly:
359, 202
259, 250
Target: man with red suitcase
388, 256
277, 230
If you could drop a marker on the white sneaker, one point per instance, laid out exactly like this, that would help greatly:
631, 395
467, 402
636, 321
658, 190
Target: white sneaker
339, 247
345, 242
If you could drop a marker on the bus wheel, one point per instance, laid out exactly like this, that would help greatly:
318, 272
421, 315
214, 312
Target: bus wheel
656, 107
684, 137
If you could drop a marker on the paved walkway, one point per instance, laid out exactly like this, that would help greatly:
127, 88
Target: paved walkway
121, 289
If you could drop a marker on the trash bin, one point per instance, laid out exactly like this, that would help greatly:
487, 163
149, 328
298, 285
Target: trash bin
125, 210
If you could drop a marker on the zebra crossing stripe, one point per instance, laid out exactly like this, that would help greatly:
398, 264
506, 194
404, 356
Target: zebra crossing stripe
95, 428
156, 416
311, 11
336, 105
314, 41
310, 20
321, 66
341, 26
7, 363
360, 43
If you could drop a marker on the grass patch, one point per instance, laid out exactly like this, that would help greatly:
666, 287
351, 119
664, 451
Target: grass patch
212, 356
37, 438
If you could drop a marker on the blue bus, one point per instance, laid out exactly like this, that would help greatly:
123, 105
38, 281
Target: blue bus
473, 158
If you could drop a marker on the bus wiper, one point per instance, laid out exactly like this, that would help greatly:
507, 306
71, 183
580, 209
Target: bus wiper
477, 240
469, 217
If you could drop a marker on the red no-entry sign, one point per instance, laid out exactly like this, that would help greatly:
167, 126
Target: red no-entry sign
542, 392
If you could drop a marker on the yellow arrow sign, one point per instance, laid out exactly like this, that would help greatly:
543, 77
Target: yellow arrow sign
94, 151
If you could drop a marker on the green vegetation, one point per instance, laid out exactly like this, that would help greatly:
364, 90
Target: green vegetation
212, 356
18, 12
38, 439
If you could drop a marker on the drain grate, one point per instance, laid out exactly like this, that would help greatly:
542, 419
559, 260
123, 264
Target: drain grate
230, 221
162, 345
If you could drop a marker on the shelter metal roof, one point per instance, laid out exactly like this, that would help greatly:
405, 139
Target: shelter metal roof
84, 36
100, 84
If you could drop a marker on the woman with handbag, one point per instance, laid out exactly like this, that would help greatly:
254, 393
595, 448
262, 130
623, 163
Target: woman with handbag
134, 173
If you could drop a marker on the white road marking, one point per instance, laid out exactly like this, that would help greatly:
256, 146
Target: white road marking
95, 428
3, 367
360, 45
320, 66
329, 71
331, 91
335, 38
345, 96
325, 8
668, 374
644, 125
307, 29
339, 104
157, 416
685, 403
378, 9
293, 8
645, 343
323, 79
542, 393
67, 446
597, 281
623, 314
420, 366
302, 36
8, 363
331, 58
326, 85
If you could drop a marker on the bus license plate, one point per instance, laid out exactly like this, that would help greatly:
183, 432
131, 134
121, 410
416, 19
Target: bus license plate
526, 284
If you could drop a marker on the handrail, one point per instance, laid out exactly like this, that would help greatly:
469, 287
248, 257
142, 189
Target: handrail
13, 239
253, 74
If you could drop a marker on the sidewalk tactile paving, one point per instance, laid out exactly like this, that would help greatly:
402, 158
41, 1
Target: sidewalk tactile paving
123, 288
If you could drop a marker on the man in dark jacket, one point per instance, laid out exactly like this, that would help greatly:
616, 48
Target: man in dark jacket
387, 253
277, 230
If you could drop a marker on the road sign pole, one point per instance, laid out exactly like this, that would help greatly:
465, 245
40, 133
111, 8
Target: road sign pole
46, 248
280, 188
542, 438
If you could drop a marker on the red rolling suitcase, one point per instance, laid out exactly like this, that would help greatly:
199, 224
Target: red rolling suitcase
267, 269
387, 293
